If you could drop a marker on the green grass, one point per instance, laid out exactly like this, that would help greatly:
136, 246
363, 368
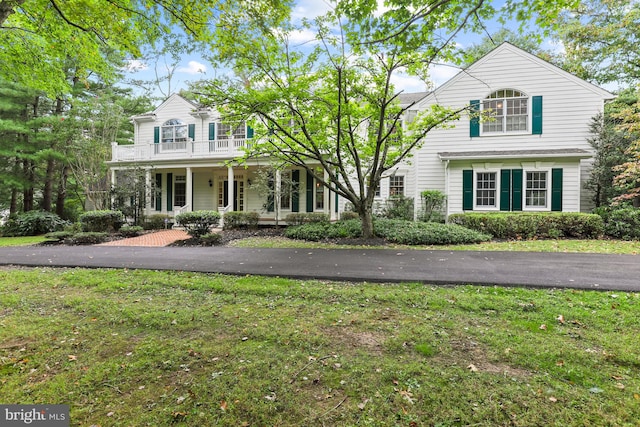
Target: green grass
568, 245
21, 241
143, 348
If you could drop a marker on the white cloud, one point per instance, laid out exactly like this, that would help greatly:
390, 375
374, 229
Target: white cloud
301, 37
440, 74
310, 9
133, 65
194, 67
407, 84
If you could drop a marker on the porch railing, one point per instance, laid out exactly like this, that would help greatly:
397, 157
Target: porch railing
218, 148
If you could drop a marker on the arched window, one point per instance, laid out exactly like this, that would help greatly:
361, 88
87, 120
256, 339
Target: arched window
509, 109
174, 130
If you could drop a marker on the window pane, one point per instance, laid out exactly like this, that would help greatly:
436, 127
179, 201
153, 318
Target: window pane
319, 195
486, 189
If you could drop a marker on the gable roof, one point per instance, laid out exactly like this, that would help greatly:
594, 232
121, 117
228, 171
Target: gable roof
514, 50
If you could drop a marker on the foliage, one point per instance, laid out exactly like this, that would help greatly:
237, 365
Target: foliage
274, 186
623, 223
102, 221
59, 236
158, 222
628, 173
45, 41
33, 223
397, 207
305, 217
433, 202
322, 230
88, 238
349, 215
198, 223
241, 220
130, 230
129, 193
211, 239
601, 40
329, 106
532, 225
426, 233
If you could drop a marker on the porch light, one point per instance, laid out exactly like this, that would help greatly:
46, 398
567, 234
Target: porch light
210, 183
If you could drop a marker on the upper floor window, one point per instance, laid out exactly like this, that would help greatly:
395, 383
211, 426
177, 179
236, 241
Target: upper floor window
174, 130
227, 130
509, 111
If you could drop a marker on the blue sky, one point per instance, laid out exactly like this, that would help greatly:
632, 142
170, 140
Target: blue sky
192, 67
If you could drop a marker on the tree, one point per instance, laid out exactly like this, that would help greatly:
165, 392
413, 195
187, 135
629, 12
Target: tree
602, 40
627, 177
38, 37
328, 106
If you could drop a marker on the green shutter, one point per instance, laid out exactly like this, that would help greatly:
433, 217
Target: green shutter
516, 189
158, 191
337, 202
556, 190
309, 192
474, 125
212, 131
156, 135
249, 132
536, 113
192, 131
169, 192
505, 190
467, 190
295, 188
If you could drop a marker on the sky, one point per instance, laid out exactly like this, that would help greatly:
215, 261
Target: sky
194, 67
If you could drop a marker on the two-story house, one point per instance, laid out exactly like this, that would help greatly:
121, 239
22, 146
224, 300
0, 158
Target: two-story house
531, 155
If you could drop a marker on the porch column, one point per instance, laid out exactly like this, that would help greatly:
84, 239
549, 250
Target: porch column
147, 191
230, 188
189, 190
112, 199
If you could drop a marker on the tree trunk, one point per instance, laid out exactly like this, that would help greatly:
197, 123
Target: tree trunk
6, 8
47, 194
13, 206
62, 192
27, 194
366, 217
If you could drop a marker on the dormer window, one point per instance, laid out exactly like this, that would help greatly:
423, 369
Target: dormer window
509, 112
174, 130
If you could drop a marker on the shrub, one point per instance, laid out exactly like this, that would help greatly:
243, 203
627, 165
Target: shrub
346, 215
398, 207
241, 220
314, 231
158, 222
89, 238
623, 223
130, 230
102, 221
59, 236
426, 233
198, 223
305, 218
211, 239
432, 204
33, 223
532, 225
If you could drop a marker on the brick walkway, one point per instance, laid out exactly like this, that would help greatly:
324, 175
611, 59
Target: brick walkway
158, 238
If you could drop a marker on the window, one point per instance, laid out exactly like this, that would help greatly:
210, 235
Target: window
536, 190
486, 189
319, 196
180, 191
174, 130
228, 130
285, 190
396, 185
509, 110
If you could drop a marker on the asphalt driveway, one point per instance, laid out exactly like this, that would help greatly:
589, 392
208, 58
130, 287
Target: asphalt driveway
585, 271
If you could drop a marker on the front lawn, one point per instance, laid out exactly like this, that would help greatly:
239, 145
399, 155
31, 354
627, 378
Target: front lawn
21, 241
143, 348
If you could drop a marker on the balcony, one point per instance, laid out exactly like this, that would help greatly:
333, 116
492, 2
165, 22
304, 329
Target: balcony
214, 149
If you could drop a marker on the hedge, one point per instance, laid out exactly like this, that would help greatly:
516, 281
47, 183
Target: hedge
198, 223
543, 225
305, 218
621, 223
241, 220
102, 221
33, 223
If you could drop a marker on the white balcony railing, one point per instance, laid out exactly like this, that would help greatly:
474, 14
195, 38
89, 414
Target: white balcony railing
218, 148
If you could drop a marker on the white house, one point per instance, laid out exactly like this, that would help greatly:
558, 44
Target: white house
532, 156
188, 154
